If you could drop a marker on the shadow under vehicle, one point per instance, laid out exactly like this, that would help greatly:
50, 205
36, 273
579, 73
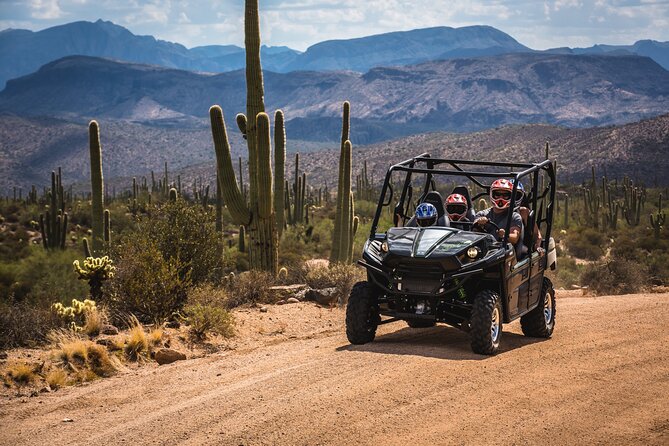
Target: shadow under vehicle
454, 275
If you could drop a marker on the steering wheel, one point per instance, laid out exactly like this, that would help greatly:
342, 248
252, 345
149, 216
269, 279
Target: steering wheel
479, 228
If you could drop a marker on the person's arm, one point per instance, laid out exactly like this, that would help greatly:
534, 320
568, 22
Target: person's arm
537, 237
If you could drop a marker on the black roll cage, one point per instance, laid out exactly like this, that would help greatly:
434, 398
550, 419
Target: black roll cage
515, 171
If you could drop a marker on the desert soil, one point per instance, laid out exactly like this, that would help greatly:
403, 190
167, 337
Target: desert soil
294, 379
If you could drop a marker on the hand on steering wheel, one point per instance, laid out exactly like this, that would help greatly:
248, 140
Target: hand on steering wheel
481, 222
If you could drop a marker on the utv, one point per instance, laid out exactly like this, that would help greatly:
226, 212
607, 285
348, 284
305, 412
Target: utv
450, 274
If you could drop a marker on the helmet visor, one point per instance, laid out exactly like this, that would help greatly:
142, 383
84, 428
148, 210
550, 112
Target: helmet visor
423, 222
456, 210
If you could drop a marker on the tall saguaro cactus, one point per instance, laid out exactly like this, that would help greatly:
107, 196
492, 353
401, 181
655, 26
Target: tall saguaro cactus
258, 214
345, 222
279, 170
97, 188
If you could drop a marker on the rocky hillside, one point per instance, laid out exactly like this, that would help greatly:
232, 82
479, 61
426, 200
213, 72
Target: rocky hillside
457, 95
637, 149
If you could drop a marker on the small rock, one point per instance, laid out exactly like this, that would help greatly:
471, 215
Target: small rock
301, 295
34, 393
3, 355
286, 291
292, 300
263, 309
108, 330
326, 296
45, 389
168, 356
281, 302
68, 420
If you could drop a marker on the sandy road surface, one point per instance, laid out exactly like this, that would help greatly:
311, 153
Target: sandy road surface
602, 379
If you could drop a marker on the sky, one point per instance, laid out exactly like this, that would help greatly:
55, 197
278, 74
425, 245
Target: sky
301, 23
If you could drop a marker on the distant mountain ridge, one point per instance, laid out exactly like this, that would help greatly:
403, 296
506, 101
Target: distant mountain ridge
23, 52
457, 95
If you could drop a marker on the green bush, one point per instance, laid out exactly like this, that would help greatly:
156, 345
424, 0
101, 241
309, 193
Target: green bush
186, 235
586, 243
616, 275
42, 277
145, 283
204, 318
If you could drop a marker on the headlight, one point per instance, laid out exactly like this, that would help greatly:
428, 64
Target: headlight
473, 252
384, 247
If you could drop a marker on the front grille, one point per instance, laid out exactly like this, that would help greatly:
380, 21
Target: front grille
418, 278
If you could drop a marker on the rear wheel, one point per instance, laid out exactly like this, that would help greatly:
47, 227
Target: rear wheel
540, 322
362, 314
420, 323
485, 325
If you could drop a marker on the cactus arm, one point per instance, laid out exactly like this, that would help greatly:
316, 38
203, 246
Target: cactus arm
232, 196
264, 173
279, 169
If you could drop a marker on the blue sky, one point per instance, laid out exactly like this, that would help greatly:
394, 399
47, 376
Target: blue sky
300, 23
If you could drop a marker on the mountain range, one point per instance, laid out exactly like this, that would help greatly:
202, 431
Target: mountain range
23, 52
455, 95
129, 149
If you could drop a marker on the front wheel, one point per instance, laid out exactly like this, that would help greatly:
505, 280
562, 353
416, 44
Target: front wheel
362, 314
540, 322
485, 325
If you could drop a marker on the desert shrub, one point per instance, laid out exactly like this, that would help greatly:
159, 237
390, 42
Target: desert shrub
586, 243
146, 284
250, 287
568, 273
342, 277
202, 319
41, 277
616, 275
186, 235
24, 325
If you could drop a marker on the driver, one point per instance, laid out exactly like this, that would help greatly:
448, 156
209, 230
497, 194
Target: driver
456, 208
426, 215
500, 196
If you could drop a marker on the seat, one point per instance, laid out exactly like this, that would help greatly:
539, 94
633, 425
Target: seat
464, 191
434, 198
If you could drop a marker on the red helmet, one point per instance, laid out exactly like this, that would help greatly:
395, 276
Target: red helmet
500, 193
456, 207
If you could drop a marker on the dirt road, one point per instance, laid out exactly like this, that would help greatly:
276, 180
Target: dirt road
602, 379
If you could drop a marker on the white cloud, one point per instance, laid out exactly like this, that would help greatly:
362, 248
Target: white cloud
45, 9
301, 23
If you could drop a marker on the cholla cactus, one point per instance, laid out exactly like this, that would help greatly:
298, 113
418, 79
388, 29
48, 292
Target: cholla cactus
74, 315
96, 271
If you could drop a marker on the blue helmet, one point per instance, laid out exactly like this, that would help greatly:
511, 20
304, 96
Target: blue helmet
426, 214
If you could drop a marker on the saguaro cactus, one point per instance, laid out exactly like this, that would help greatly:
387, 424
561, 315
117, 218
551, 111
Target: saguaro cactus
279, 169
345, 222
657, 221
54, 227
97, 188
258, 214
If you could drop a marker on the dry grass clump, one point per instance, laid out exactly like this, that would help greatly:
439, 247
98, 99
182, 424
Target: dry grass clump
95, 318
339, 276
21, 373
56, 378
206, 312
156, 337
137, 342
86, 359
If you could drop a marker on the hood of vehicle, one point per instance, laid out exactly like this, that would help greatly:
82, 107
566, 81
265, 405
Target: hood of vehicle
429, 243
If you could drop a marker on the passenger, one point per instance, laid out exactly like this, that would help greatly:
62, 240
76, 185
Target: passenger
499, 213
456, 209
426, 215
523, 208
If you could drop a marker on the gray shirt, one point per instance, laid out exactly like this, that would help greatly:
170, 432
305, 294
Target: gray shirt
500, 220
